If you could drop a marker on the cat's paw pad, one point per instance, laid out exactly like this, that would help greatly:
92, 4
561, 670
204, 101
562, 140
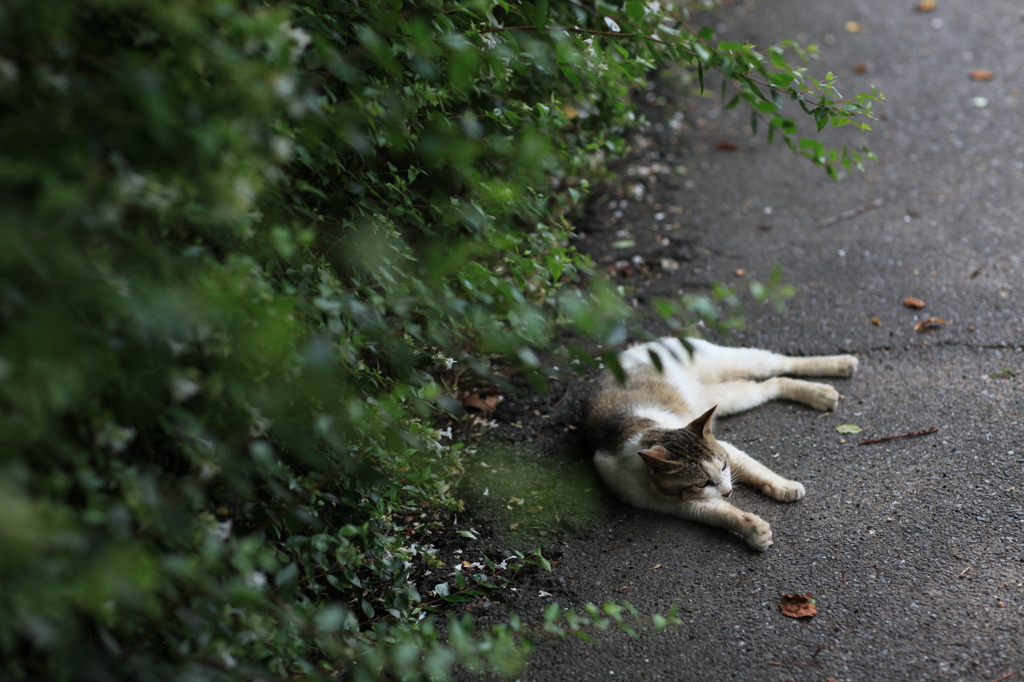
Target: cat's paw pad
756, 531
785, 491
821, 396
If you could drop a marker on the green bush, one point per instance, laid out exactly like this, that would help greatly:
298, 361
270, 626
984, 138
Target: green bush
242, 245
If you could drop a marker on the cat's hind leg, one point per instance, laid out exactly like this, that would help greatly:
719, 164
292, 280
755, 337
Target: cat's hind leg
719, 363
741, 395
821, 365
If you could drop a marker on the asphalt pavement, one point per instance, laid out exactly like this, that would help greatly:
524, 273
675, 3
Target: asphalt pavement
912, 547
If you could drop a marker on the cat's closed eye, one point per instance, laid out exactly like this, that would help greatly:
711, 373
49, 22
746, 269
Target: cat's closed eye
707, 484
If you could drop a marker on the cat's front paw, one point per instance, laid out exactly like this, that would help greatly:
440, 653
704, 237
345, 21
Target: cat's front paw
784, 491
756, 531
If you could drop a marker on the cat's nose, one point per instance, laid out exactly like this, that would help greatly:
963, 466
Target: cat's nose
727, 493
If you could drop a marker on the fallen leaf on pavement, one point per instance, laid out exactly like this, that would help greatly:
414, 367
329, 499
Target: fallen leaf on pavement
982, 75
861, 67
912, 302
876, 321
929, 324
848, 428
798, 605
925, 6
853, 27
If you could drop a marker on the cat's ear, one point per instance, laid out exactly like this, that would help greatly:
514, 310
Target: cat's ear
656, 458
702, 424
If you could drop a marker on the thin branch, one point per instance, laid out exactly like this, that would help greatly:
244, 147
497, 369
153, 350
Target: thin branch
852, 213
911, 434
567, 29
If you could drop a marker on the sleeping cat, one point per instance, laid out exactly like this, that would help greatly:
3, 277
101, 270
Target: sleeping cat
654, 446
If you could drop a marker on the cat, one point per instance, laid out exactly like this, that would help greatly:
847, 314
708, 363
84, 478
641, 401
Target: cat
654, 447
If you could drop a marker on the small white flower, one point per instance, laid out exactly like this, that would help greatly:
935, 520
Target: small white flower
445, 360
256, 579
282, 85
183, 388
611, 24
281, 149
445, 433
114, 437
131, 184
226, 658
244, 192
8, 70
221, 531
259, 424
299, 38
208, 471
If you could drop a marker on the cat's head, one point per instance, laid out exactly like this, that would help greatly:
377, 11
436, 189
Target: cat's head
688, 463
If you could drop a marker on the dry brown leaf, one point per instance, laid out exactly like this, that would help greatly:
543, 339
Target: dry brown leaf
861, 67
798, 605
740, 272
876, 321
925, 6
475, 401
982, 74
912, 302
853, 27
929, 323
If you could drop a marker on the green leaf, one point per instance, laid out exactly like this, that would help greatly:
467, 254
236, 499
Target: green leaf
635, 9
821, 117
848, 428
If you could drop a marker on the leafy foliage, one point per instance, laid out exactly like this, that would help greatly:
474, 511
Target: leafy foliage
242, 245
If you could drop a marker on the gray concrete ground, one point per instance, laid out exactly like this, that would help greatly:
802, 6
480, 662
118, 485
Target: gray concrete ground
913, 548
